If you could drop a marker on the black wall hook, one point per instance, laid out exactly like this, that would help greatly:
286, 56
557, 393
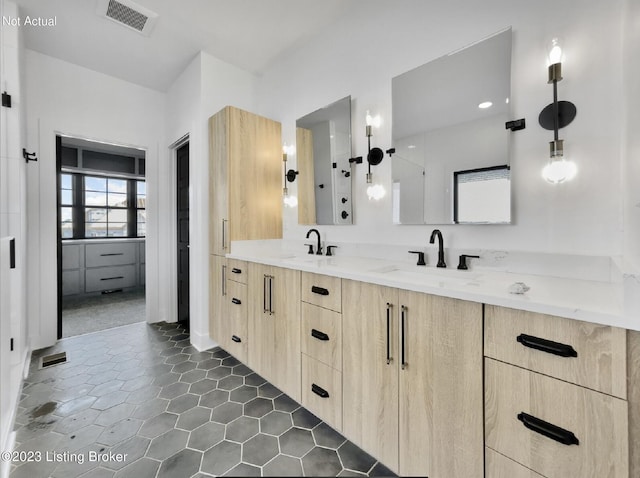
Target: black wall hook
28, 156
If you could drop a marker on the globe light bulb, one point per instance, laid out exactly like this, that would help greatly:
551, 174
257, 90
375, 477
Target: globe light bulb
558, 170
376, 192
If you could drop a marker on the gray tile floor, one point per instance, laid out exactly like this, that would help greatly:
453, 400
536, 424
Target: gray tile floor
139, 401
82, 314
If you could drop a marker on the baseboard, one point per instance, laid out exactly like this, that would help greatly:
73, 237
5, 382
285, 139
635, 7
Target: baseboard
202, 341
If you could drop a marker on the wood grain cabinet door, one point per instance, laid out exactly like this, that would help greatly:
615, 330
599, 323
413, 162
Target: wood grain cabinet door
440, 387
370, 368
274, 326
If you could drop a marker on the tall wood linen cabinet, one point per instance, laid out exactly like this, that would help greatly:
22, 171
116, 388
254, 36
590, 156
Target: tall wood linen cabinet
245, 202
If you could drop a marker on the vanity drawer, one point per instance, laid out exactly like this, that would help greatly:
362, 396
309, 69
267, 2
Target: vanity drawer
593, 424
109, 278
237, 270
117, 253
235, 326
71, 256
499, 466
71, 282
322, 335
322, 290
322, 391
587, 354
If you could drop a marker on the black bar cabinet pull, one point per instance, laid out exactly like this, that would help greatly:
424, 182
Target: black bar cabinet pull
112, 254
235, 270
555, 348
236, 301
271, 295
403, 310
236, 339
319, 335
319, 391
389, 307
264, 293
112, 278
548, 429
319, 290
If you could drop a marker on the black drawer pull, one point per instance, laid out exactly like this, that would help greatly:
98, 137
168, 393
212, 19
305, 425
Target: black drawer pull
319, 290
235, 270
548, 346
236, 339
236, 301
112, 278
112, 254
548, 429
319, 335
319, 391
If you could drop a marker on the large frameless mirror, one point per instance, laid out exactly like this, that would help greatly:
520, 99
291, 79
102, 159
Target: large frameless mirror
451, 164
323, 149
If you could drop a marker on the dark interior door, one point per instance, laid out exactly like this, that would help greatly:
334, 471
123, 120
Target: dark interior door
183, 233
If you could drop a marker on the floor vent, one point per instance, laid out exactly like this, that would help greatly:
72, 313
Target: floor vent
129, 14
53, 359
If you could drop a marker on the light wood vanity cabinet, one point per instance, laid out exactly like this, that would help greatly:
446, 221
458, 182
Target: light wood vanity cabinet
274, 326
412, 379
245, 160
245, 201
544, 403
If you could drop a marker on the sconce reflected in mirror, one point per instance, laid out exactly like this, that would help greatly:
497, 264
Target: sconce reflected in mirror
555, 116
289, 176
374, 157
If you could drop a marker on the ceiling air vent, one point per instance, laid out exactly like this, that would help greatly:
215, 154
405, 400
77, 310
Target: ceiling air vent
129, 14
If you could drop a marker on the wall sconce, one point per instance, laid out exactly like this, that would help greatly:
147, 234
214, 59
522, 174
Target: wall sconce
374, 157
553, 117
289, 176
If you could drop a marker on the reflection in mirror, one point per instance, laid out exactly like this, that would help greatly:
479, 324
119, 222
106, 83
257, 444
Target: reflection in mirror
449, 132
323, 148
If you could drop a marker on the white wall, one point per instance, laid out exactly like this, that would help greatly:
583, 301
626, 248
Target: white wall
631, 158
360, 54
68, 99
205, 87
13, 323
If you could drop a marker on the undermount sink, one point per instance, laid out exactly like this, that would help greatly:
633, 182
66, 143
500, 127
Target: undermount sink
440, 276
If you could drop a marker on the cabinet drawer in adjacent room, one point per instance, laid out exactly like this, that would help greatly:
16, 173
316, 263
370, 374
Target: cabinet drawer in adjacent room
322, 391
322, 290
555, 428
587, 354
71, 256
117, 253
108, 278
237, 270
322, 335
71, 282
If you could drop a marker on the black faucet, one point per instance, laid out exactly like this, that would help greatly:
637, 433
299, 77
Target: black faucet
436, 232
319, 250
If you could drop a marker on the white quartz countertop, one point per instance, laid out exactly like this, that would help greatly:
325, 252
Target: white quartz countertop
587, 300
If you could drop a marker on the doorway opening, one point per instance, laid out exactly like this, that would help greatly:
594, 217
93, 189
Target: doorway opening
182, 215
101, 193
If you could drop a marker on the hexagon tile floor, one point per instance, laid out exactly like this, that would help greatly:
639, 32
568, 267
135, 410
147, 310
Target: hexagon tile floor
143, 391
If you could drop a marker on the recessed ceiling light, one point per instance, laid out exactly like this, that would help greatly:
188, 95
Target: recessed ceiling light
485, 105
412, 146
